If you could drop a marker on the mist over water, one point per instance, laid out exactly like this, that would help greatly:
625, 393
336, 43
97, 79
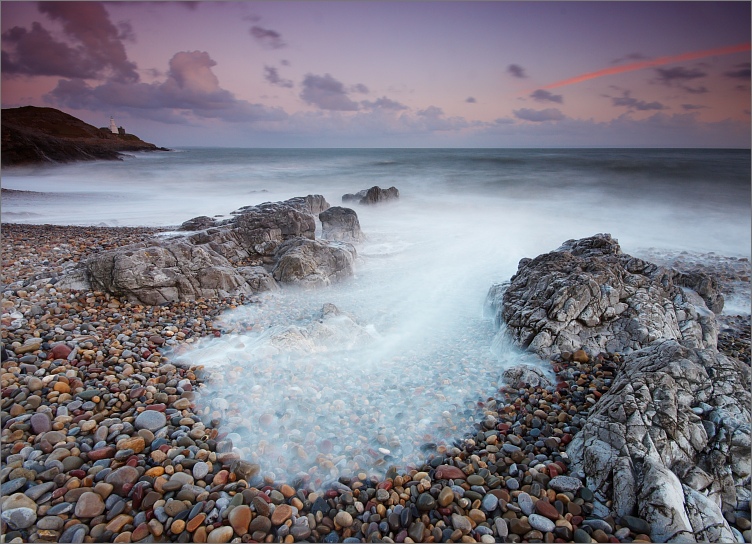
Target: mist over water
399, 373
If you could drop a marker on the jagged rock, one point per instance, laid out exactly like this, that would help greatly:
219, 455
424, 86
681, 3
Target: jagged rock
226, 259
354, 197
340, 224
153, 273
198, 223
376, 195
525, 376
670, 440
588, 294
313, 263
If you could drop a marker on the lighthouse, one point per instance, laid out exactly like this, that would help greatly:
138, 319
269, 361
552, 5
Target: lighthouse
113, 127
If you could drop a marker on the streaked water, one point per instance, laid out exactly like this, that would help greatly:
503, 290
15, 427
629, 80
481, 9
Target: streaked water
463, 221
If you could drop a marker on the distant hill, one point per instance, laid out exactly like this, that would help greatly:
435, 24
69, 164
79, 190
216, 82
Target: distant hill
32, 135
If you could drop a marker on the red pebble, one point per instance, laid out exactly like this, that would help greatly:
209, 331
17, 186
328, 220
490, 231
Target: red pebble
59, 492
613, 539
386, 484
566, 438
132, 461
157, 407
445, 511
127, 489
59, 351
77, 473
332, 493
164, 448
576, 520
553, 470
264, 496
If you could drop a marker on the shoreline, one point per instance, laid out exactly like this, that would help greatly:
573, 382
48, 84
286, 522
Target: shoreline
123, 457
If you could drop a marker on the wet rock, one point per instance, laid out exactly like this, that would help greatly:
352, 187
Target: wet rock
340, 224
377, 195
313, 263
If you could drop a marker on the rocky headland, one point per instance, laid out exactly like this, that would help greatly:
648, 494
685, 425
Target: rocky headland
34, 135
637, 430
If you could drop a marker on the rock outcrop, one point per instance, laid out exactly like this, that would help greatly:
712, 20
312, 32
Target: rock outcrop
670, 440
340, 224
588, 294
240, 256
374, 195
33, 135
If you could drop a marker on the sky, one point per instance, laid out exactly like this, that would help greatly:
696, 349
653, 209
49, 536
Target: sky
389, 74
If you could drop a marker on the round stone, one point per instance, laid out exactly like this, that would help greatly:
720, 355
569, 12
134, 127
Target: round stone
281, 514
89, 505
425, 502
240, 518
525, 502
343, 519
220, 534
19, 518
541, 523
637, 525
200, 470
151, 420
40, 423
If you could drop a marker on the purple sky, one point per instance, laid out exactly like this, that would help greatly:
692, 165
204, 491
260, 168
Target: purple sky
389, 74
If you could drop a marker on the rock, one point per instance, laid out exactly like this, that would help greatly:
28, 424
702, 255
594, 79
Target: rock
525, 376
446, 497
40, 423
121, 477
449, 472
208, 263
462, 523
198, 223
244, 470
376, 195
354, 197
60, 351
425, 502
19, 518
340, 224
240, 518
281, 514
343, 519
541, 523
545, 508
89, 505
220, 534
151, 420
647, 434
589, 295
636, 525
313, 263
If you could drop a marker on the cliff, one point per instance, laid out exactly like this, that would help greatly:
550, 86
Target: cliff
33, 135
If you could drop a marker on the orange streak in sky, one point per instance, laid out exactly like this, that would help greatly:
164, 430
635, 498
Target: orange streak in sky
738, 48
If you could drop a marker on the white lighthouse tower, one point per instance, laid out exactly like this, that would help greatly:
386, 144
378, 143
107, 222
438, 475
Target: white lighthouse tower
113, 127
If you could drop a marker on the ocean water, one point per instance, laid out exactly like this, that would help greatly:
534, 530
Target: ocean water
463, 221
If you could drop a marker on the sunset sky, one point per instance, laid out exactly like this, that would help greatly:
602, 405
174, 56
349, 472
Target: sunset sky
389, 74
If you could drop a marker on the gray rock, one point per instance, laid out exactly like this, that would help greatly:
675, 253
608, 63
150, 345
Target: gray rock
19, 518
340, 224
564, 484
525, 376
198, 223
354, 197
541, 523
151, 420
218, 261
313, 263
377, 195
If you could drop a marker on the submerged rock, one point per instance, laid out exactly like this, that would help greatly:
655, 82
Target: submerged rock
374, 195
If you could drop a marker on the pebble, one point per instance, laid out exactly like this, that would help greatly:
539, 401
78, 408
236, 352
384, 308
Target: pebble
541, 523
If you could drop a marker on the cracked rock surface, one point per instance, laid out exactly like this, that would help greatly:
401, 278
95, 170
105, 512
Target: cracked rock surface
670, 440
242, 255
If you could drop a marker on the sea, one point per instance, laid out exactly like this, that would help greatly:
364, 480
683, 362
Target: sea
463, 221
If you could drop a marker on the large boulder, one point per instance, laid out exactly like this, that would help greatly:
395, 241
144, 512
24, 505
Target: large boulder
234, 257
670, 440
340, 224
313, 263
198, 223
376, 195
588, 294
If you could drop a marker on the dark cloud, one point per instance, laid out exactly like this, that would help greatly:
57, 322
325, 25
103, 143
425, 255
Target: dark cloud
630, 57
695, 90
190, 89
538, 116
284, 62
678, 74
516, 70
270, 39
88, 24
742, 72
384, 103
272, 76
36, 53
631, 103
359, 88
326, 93
690, 107
470, 100
541, 95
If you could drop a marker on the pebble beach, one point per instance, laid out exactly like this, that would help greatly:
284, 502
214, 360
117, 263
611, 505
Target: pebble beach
104, 438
